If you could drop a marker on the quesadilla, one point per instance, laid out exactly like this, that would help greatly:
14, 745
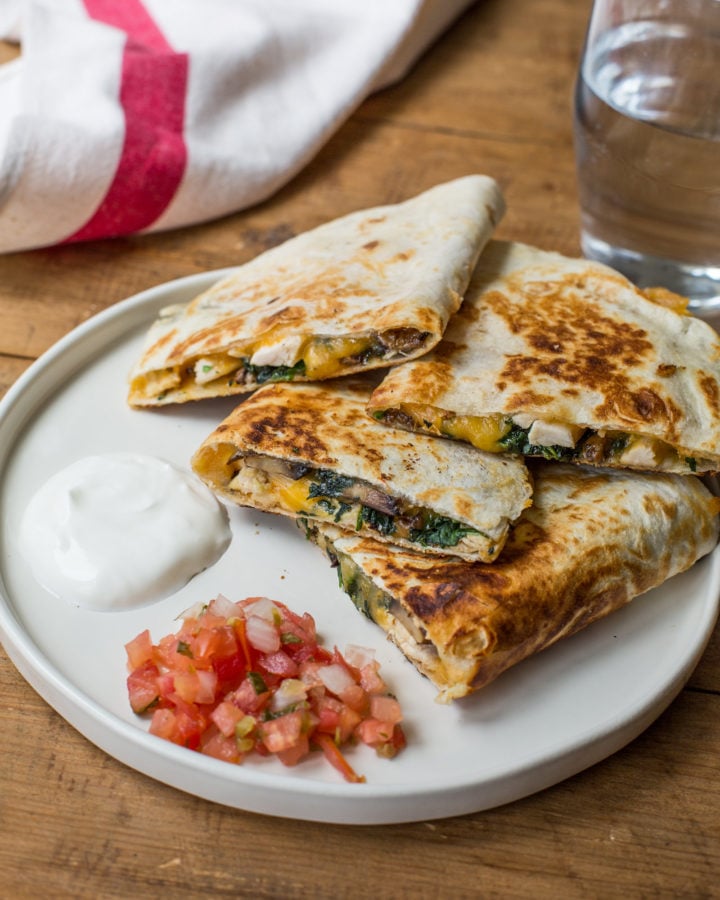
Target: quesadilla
592, 541
310, 450
566, 359
372, 289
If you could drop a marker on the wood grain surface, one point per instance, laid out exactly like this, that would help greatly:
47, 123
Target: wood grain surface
493, 95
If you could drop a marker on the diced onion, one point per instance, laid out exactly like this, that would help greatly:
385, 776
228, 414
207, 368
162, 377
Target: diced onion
263, 608
263, 635
336, 678
221, 606
359, 656
291, 691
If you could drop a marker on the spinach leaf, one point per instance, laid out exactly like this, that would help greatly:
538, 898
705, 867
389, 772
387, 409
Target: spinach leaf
380, 521
328, 484
263, 374
440, 531
516, 441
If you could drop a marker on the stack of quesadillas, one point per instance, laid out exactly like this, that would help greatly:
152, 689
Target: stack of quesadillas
470, 553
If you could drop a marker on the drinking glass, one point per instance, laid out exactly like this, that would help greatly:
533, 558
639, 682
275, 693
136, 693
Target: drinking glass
647, 140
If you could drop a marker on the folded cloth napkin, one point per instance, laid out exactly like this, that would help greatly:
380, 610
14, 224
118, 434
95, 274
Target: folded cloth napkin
124, 116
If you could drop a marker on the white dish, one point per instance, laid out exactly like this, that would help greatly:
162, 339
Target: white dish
543, 721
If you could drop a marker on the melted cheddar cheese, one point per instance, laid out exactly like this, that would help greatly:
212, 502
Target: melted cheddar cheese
483, 432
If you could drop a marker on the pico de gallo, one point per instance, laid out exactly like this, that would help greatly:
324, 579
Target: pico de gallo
248, 677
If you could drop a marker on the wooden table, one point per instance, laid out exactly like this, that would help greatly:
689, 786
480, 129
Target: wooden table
493, 95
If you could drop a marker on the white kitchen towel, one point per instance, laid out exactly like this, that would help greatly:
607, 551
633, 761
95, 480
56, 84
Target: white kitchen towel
124, 116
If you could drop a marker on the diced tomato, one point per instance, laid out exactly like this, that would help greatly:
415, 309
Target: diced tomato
282, 733
139, 650
196, 687
279, 663
215, 743
293, 755
173, 654
374, 731
245, 697
189, 731
229, 670
164, 724
218, 642
142, 684
226, 716
399, 741
250, 677
370, 678
385, 708
328, 711
314, 653
166, 686
356, 698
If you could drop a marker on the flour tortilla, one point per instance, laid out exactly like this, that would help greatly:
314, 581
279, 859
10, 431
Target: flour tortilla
572, 346
372, 289
592, 541
310, 450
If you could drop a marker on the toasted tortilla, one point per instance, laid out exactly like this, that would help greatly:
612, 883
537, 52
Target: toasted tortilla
372, 289
565, 358
592, 541
310, 450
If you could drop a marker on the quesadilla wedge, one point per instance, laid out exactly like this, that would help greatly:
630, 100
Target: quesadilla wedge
371, 289
310, 450
592, 541
566, 359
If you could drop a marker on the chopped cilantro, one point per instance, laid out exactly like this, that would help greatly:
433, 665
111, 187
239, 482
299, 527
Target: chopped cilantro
269, 714
257, 681
287, 637
184, 649
692, 463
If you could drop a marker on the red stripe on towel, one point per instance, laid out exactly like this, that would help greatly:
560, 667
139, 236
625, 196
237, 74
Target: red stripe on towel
152, 93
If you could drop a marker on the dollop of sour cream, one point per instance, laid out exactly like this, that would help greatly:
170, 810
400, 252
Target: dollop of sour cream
120, 530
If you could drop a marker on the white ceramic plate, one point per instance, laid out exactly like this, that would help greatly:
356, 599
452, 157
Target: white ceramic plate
542, 721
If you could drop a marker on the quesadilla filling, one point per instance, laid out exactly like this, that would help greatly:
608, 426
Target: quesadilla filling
295, 357
379, 606
349, 502
524, 435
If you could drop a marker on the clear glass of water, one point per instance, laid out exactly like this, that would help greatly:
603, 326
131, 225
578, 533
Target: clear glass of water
647, 139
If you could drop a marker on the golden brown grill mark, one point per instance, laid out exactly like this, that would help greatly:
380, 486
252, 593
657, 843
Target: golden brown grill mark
162, 342
274, 429
709, 388
285, 316
640, 407
587, 350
